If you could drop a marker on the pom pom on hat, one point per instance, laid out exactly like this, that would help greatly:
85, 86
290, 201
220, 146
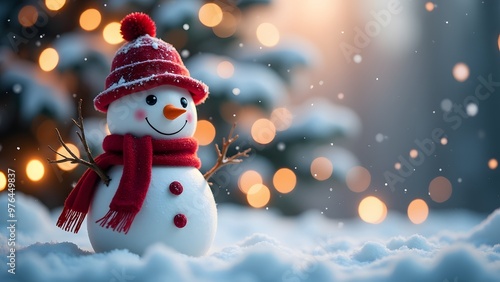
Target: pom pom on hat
135, 25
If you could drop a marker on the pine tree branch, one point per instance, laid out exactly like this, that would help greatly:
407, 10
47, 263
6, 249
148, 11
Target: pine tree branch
222, 159
74, 159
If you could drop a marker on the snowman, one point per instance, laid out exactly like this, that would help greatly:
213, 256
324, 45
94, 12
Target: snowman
153, 191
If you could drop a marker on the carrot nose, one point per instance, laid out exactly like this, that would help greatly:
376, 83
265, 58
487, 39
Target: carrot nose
171, 112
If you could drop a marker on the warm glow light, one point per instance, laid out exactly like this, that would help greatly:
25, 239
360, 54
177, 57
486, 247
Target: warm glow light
418, 211
210, 14
429, 6
397, 166
48, 59
35, 170
27, 16
248, 179
282, 118
321, 168
413, 153
111, 33
54, 5
90, 19
493, 164
258, 196
267, 34
225, 69
284, 180
227, 26
372, 210
440, 189
3, 181
461, 72
358, 179
205, 132
499, 42
67, 165
263, 131
444, 141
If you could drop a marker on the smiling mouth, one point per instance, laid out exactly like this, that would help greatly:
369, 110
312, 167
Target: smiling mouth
163, 133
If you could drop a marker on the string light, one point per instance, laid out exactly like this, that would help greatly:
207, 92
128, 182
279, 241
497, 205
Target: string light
28, 15
67, 166
54, 5
90, 19
284, 180
48, 60
372, 210
210, 14
418, 211
267, 34
248, 179
440, 189
258, 196
321, 168
205, 132
111, 33
35, 170
263, 131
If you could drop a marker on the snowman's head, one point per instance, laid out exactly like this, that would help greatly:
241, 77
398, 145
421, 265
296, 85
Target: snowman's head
164, 112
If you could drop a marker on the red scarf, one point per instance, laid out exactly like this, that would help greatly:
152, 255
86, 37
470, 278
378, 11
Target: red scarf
137, 155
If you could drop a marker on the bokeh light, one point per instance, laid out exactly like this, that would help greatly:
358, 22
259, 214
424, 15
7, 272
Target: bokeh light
418, 211
372, 210
267, 34
27, 16
35, 170
358, 179
225, 69
397, 166
54, 5
282, 118
492, 163
227, 26
258, 195
413, 153
321, 168
205, 132
3, 181
67, 166
440, 189
210, 14
461, 72
111, 33
284, 180
48, 60
263, 131
429, 6
444, 141
248, 179
90, 19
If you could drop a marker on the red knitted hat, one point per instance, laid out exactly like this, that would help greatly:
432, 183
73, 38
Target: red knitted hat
145, 62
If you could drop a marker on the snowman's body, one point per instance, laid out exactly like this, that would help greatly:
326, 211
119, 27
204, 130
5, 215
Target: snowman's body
164, 113
155, 221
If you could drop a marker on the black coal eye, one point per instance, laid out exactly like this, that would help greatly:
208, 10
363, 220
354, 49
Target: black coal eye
184, 102
151, 100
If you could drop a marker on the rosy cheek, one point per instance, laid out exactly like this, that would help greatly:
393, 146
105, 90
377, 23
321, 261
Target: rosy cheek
140, 115
189, 117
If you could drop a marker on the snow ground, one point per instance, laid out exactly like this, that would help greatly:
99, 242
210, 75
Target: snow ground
261, 245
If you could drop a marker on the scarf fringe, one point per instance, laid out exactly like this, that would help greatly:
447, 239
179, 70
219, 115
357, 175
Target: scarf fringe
70, 220
118, 221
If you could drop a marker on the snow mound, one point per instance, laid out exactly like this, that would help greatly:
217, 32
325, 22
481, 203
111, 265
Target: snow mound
262, 245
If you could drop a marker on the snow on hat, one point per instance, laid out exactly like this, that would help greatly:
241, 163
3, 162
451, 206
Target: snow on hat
145, 62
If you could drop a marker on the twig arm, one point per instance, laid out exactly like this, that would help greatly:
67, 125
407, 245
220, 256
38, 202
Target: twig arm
222, 159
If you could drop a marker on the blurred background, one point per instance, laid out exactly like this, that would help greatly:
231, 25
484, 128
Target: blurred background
351, 108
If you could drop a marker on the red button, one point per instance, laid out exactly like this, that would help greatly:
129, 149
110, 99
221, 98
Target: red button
180, 220
176, 188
